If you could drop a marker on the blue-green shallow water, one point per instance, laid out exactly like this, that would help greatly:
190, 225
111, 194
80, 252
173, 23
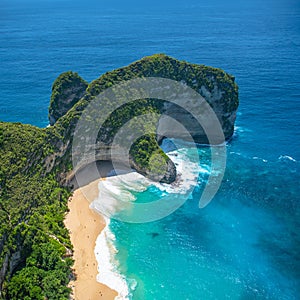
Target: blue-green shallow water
245, 244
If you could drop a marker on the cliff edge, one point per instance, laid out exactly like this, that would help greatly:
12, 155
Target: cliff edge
216, 86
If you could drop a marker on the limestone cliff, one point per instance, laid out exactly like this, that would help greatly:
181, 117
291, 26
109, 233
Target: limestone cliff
216, 86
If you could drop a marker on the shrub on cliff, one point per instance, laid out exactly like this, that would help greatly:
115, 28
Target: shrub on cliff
67, 89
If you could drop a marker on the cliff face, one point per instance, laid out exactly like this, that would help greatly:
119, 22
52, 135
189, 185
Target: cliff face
224, 107
217, 87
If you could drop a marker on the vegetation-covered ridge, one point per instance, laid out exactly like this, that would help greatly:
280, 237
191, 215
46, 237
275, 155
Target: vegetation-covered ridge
34, 244
67, 89
203, 79
35, 248
216, 86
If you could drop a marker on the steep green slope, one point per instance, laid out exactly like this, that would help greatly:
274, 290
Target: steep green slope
33, 240
67, 89
160, 65
217, 87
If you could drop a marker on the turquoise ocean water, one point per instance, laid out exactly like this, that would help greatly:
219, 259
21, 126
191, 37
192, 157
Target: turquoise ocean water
245, 243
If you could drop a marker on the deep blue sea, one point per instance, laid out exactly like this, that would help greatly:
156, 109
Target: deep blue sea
246, 243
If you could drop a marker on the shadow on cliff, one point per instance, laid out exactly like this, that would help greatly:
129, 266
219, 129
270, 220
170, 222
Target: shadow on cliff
101, 169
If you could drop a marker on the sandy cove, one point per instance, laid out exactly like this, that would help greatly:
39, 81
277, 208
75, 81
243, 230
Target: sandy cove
85, 225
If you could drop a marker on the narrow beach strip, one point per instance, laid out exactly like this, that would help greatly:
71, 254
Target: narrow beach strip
85, 226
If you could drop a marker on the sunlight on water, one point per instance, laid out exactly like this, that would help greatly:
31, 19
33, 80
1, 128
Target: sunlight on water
220, 252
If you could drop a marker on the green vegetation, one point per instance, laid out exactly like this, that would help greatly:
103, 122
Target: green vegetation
33, 239
67, 89
144, 150
160, 65
126, 113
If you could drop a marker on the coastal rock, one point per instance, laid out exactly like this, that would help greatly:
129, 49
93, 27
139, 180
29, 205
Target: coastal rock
167, 176
67, 89
225, 112
216, 86
170, 174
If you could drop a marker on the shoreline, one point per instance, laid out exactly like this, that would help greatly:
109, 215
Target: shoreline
91, 237
85, 225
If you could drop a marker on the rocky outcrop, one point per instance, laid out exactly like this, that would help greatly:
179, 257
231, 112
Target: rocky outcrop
167, 176
216, 86
3, 270
225, 112
67, 89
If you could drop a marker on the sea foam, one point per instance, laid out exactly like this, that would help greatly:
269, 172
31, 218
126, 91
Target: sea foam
107, 265
286, 158
115, 191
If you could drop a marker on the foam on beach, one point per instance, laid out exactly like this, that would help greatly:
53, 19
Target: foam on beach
107, 265
187, 173
115, 192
